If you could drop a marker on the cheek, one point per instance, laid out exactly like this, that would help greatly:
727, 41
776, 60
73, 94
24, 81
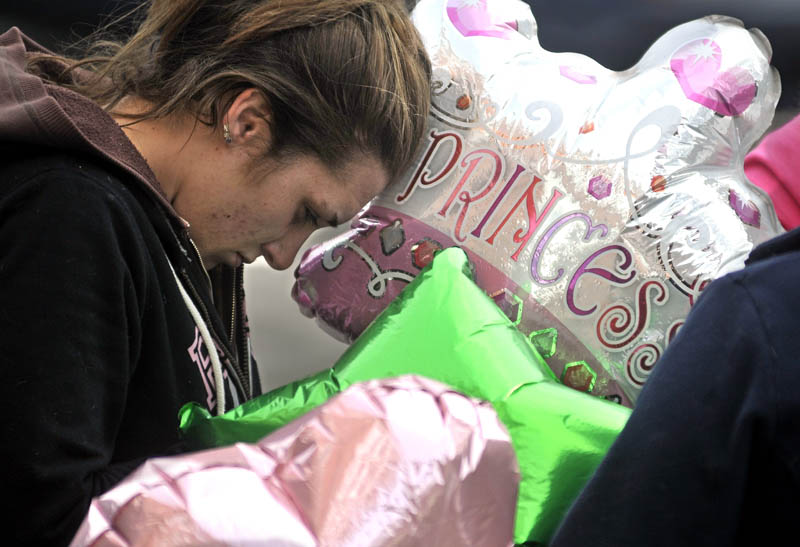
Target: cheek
249, 215
244, 220
257, 221
226, 224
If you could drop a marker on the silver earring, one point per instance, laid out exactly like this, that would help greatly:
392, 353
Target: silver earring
226, 134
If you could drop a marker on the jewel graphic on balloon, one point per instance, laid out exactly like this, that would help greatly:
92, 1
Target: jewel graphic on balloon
473, 18
748, 212
579, 376
658, 183
697, 67
576, 76
545, 341
392, 237
510, 303
599, 187
422, 252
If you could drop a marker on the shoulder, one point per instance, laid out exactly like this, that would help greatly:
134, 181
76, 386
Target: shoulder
736, 336
63, 206
757, 310
20, 171
62, 187
769, 284
751, 314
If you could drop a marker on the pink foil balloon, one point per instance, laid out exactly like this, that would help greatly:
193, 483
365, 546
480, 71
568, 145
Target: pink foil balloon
595, 205
400, 462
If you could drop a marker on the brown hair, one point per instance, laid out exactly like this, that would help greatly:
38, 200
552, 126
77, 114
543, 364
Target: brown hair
339, 75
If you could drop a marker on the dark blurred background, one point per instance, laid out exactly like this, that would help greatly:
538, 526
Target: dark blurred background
616, 33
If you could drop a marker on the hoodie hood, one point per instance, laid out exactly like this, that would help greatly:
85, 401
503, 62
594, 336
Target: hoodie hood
35, 112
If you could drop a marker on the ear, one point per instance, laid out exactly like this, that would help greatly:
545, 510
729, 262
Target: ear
248, 118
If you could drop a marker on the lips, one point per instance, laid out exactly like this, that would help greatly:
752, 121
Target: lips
267, 256
242, 259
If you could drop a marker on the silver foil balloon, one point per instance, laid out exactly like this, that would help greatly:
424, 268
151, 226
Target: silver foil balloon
595, 205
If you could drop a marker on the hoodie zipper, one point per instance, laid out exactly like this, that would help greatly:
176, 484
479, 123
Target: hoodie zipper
234, 310
239, 376
238, 336
203, 266
242, 342
234, 303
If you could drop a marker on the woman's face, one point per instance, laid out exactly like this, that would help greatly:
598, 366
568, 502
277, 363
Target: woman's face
245, 213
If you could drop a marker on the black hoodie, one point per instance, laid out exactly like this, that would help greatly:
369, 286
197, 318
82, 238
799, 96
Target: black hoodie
98, 346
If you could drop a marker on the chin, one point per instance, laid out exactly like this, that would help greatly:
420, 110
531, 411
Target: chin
234, 260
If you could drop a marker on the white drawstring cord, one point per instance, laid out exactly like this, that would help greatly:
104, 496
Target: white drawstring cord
211, 348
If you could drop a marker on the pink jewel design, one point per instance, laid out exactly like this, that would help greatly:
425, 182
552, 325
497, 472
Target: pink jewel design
575, 76
747, 212
697, 67
599, 187
510, 303
474, 18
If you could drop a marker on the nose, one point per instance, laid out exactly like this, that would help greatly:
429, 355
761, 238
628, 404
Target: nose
280, 254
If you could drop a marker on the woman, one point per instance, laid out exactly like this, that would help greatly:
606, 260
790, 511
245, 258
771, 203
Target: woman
135, 183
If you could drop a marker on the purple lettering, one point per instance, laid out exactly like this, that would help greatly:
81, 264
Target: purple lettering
545, 239
627, 259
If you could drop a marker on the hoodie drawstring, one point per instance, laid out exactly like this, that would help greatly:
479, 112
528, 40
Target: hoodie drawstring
216, 365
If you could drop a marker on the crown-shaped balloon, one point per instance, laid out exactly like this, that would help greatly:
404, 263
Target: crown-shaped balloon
595, 205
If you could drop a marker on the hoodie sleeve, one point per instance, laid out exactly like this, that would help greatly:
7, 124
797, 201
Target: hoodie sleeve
69, 331
681, 470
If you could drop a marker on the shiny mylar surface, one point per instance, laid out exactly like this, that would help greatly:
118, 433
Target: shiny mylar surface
445, 328
595, 205
398, 462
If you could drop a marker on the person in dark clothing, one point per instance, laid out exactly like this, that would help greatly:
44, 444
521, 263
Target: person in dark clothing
711, 452
133, 186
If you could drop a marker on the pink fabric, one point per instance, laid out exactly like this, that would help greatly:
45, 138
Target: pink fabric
774, 166
398, 462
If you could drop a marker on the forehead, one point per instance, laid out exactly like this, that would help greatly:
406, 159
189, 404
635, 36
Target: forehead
362, 173
349, 185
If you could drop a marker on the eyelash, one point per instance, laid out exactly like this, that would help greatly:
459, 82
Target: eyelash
312, 217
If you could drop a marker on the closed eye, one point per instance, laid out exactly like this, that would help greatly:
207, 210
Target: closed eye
312, 217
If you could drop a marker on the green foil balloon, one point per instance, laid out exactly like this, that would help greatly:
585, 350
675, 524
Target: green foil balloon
442, 326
